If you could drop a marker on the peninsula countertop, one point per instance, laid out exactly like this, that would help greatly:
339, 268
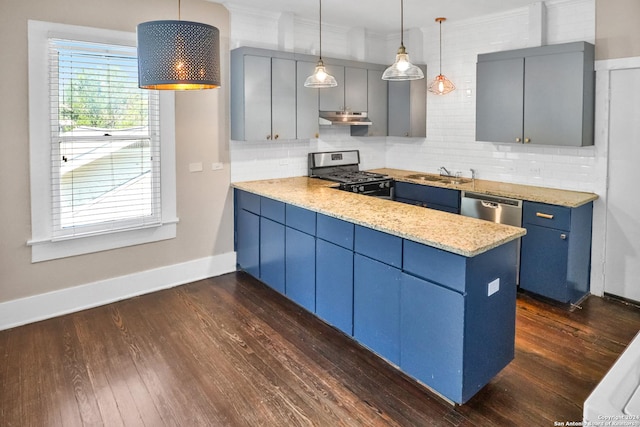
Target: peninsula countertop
552, 196
453, 233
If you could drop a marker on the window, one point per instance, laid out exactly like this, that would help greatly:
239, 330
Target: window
102, 155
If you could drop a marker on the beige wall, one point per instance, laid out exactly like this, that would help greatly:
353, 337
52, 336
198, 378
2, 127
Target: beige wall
617, 29
203, 198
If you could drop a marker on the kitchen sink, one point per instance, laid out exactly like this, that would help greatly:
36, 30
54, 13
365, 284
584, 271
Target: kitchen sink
439, 178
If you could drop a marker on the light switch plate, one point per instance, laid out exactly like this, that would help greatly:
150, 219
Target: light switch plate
216, 166
493, 287
195, 167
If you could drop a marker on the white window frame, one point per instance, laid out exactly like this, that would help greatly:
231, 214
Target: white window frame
43, 245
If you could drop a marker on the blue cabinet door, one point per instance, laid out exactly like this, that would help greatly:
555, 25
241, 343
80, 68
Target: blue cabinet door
544, 262
376, 307
300, 268
334, 285
248, 242
272, 254
432, 335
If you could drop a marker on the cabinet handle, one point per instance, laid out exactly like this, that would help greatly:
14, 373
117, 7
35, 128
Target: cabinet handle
563, 236
544, 215
518, 139
527, 140
276, 136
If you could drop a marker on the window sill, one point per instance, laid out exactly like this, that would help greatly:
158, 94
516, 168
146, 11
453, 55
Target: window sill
45, 250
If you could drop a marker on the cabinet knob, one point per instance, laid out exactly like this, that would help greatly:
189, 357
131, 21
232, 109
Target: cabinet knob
406, 134
563, 236
518, 139
276, 136
317, 135
268, 136
527, 140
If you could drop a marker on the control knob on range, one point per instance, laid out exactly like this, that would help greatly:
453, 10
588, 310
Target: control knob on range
362, 188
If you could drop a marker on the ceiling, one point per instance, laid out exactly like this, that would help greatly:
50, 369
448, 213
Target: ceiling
383, 15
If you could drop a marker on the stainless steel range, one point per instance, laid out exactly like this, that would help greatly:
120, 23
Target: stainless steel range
343, 167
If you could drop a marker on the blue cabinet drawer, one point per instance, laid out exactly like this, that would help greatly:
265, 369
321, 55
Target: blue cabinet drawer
379, 246
301, 219
248, 201
428, 194
438, 266
550, 216
335, 231
272, 209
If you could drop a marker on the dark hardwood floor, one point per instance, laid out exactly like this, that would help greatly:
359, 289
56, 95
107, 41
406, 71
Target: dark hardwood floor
229, 351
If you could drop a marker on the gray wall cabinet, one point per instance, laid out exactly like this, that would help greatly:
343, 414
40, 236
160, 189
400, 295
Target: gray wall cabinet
542, 95
408, 107
269, 100
264, 101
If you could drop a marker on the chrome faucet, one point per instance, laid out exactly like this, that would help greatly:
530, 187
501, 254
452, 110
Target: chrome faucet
473, 174
444, 172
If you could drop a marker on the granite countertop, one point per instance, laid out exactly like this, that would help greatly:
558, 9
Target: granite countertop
567, 198
453, 233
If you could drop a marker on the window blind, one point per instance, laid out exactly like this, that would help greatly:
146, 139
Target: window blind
105, 152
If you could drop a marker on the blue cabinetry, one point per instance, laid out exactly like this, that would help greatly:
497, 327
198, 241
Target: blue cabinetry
556, 251
334, 272
272, 254
442, 199
376, 307
445, 319
301, 268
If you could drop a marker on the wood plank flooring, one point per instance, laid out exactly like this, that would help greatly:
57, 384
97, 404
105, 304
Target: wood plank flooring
229, 351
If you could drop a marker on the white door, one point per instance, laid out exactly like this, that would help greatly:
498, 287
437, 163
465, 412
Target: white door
622, 258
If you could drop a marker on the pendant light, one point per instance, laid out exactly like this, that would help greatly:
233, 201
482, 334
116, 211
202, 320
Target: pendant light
320, 78
402, 69
441, 85
178, 55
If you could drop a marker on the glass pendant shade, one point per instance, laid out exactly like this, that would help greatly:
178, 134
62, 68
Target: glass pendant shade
320, 78
402, 69
178, 55
441, 85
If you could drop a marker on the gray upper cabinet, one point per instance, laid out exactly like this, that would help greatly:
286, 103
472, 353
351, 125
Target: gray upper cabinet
332, 98
263, 104
306, 103
542, 95
355, 89
377, 103
408, 107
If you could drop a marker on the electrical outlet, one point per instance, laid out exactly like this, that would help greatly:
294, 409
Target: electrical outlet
195, 167
493, 287
216, 166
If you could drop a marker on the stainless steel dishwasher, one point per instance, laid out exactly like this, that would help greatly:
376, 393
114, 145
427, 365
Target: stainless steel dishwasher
496, 209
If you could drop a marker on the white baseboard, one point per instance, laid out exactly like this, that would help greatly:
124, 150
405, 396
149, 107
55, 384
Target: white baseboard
52, 304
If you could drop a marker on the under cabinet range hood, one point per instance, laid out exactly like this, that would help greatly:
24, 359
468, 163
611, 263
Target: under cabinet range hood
346, 118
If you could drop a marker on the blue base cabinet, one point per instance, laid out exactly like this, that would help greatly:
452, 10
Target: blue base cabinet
334, 272
442, 199
300, 261
376, 308
446, 320
556, 251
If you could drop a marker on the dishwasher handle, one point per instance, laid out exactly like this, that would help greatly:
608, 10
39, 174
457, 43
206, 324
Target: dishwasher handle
490, 205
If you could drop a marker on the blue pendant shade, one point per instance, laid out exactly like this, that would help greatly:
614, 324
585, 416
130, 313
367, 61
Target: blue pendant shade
178, 55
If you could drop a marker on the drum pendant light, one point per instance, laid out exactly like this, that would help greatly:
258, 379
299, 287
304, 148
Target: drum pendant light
178, 55
441, 85
320, 78
402, 69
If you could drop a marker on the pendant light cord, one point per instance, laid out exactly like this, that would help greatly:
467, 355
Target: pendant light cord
402, 23
320, 29
440, 46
